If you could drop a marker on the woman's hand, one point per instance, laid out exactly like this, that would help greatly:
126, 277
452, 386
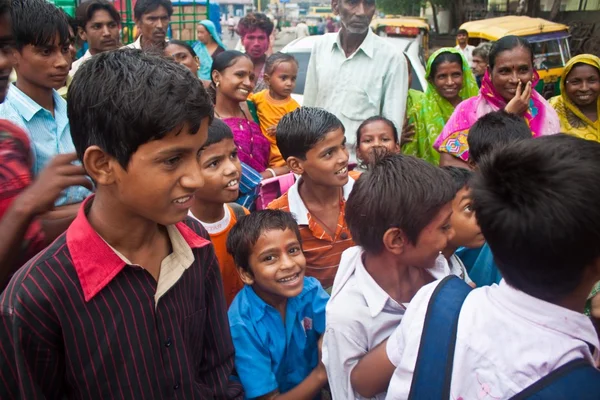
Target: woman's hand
520, 103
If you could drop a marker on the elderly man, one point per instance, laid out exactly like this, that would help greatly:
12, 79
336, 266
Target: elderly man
152, 19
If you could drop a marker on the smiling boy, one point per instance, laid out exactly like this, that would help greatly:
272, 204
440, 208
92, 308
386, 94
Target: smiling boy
313, 144
129, 302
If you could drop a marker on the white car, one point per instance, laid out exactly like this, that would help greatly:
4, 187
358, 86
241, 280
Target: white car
301, 49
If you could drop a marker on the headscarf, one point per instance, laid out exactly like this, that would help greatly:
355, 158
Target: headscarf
435, 110
541, 117
572, 120
202, 52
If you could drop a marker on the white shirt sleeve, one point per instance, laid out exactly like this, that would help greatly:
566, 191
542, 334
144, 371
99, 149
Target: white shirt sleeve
311, 87
395, 91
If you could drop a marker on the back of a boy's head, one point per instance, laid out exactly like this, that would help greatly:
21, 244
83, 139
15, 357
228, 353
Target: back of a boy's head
538, 205
397, 191
493, 131
460, 177
246, 232
300, 130
38, 23
120, 100
217, 132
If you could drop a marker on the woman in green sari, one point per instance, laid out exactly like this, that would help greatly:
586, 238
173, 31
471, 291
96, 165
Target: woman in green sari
449, 81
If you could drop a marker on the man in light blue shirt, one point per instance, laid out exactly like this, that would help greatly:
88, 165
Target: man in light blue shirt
42, 64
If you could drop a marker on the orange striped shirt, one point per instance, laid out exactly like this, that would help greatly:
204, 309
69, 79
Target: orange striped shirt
322, 252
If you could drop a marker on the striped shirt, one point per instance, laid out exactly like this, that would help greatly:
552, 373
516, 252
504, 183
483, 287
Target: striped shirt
372, 81
49, 135
249, 183
322, 251
80, 322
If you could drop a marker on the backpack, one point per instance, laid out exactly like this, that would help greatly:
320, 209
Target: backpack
273, 188
577, 379
238, 211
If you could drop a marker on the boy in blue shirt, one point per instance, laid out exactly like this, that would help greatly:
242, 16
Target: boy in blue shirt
278, 318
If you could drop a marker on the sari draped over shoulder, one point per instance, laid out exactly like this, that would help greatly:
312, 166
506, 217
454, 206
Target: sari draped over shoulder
540, 117
202, 52
572, 120
430, 115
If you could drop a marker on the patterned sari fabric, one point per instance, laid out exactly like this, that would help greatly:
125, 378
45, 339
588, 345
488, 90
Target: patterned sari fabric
572, 120
541, 117
430, 116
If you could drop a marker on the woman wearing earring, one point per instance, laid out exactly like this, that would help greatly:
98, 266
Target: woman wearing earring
183, 54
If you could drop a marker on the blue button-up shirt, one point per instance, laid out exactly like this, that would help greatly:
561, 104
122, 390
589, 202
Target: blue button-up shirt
269, 354
49, 135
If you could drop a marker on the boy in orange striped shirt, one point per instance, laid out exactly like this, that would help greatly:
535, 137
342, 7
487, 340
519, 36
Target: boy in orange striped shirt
313, 144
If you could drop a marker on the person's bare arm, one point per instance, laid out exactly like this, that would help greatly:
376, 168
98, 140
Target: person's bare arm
306, 390
373, 372
55, 222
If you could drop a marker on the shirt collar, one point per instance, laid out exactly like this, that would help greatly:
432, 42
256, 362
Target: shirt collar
297, 206
97, 263
367, 46
27, 108
565, 321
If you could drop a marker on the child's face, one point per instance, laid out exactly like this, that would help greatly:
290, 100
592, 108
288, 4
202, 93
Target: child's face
162, 176
464, 223
326, 163
431, 241
374, 137
221, 170
46, 67
237, 81
277, 264
282, 80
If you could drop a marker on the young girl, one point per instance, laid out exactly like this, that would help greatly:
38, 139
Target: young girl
374, 135
273, 103
233, 78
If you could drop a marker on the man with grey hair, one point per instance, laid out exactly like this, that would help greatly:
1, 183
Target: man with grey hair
480, 61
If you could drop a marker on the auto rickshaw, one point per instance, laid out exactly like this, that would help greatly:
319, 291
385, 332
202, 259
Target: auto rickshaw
412, 27
549, 41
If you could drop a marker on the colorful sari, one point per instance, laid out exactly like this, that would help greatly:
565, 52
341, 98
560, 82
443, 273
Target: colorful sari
431, 115
202, 52
572, 120
541, 117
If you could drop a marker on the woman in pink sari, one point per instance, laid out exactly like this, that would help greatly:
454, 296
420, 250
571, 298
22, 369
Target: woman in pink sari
508, 84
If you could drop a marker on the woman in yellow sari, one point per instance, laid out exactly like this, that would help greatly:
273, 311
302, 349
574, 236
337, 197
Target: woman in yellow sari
578, 106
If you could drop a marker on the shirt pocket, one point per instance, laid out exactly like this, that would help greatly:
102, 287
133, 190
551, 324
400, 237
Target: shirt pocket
359, 105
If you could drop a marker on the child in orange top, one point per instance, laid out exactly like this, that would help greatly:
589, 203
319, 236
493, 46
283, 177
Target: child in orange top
213, 206
273, 103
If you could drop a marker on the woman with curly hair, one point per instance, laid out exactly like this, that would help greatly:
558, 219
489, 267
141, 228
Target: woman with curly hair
255, 30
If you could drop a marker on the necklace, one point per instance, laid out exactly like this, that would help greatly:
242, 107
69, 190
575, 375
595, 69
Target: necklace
323, 225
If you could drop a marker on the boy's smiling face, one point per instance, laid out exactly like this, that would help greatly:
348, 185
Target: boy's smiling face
278, 265
463, 221
161, 177
221, 170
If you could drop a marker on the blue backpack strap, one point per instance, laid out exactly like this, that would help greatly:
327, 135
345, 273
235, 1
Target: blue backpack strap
577, 379
433, 370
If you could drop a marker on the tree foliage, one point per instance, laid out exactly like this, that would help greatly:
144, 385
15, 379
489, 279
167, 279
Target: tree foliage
399, 7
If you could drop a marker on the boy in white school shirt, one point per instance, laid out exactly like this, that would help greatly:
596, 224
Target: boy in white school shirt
399, 211
537, 205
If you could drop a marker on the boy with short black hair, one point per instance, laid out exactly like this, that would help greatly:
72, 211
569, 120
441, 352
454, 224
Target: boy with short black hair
537, 205
43, 59
399, 216
152, 18
312, 142
129, 301
214, 206
278, 318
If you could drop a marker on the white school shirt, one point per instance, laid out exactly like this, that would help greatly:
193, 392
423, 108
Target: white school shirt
372, 81
467, 52
506, 341
359, 316
77, 63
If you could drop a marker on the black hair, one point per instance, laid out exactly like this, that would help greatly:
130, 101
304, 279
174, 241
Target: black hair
221, 62
536, 202
183, 44
462, 32
397, 191
508, 43
119, 100
217, 132
246, 232
253, 21
377, 118
85, 12
460, 177
38, 23
483, 51
4, 7
494, 130
580, 64
147, 6
300, 130
277, 58
443, 57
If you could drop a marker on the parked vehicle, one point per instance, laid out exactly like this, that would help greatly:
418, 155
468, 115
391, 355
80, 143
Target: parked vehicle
408, 27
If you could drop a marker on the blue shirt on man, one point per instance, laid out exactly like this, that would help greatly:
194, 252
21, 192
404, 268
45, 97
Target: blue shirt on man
49, 135
269, 354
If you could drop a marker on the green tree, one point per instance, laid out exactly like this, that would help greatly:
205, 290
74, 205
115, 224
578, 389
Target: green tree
399, 7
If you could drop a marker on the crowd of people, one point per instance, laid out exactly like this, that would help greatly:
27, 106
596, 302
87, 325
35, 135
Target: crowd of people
418, 245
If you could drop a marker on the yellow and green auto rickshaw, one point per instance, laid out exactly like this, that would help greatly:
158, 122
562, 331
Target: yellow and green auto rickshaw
549, 40
411, 27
